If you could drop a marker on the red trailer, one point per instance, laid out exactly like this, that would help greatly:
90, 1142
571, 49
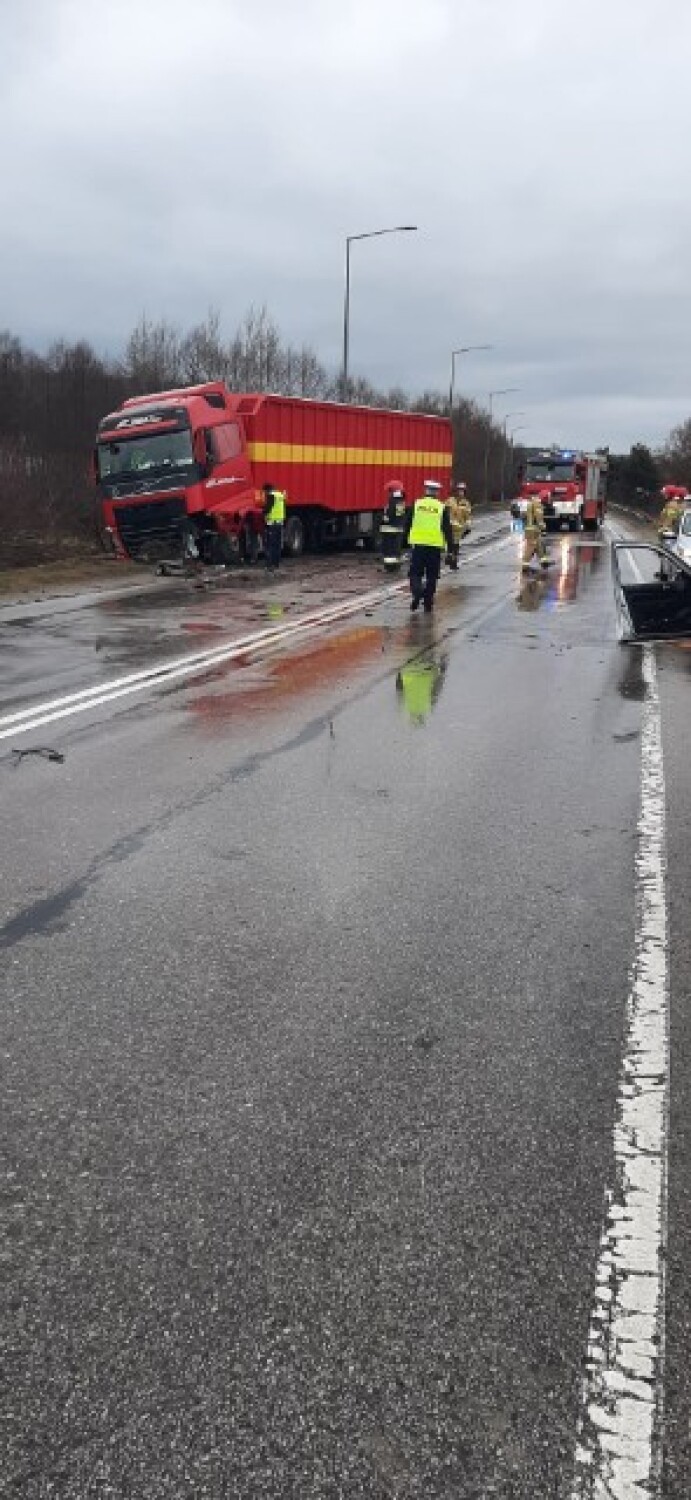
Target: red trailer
182, 471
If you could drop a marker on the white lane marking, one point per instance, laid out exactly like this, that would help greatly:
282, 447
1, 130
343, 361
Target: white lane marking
185, 666
24, 720
619, 1450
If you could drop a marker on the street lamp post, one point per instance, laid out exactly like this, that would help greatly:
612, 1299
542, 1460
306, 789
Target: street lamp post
465, 349
503, 451
521, 428
503, 392
371, 234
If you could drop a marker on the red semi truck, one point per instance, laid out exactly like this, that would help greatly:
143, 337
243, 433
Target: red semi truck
571, 485
181, 472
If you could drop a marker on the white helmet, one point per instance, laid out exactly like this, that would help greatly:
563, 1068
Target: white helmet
432, 487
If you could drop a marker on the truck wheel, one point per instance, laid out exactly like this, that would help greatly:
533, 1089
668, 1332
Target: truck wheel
294, 537
248, 545
190, 542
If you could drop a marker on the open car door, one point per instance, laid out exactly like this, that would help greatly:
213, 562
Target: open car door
652, 591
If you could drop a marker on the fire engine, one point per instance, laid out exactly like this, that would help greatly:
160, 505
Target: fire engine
571, 485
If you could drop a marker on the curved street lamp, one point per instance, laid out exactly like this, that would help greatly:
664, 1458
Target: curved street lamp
464, 349
503, 392
371, 234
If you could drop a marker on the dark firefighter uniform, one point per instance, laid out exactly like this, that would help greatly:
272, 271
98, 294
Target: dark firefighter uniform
391, 530
428, 532
274, 521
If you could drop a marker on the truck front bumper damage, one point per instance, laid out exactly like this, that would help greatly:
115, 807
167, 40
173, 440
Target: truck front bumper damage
652, 592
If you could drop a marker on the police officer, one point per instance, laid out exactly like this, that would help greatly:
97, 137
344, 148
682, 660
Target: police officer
534, 533
274, 519
428, 532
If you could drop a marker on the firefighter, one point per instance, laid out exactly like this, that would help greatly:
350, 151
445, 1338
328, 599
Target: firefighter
459, 513
466, 507
428, 532
670, 516
535, 533
274, 518
393, 522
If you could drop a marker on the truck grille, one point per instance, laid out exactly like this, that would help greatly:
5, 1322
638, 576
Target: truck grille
153, 528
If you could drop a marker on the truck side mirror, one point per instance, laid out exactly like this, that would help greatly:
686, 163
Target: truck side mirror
199, 450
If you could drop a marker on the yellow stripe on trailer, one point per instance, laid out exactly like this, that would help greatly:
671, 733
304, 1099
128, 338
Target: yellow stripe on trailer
312, 453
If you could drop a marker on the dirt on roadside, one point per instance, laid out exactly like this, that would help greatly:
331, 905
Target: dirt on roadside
44, 580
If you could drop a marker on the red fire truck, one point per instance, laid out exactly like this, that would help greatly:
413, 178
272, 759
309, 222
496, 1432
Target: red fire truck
571, 485
181, 472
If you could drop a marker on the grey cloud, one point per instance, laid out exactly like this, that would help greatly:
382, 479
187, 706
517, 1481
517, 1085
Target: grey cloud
164, 159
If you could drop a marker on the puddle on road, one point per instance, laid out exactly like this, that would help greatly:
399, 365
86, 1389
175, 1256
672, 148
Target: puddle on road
572, 567
251, 685
418, 685
260, 683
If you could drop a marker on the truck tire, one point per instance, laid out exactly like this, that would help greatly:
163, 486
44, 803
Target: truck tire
190, 542
248, 545
590, 524
294, 537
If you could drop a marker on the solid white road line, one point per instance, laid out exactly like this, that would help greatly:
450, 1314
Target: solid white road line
619, 1453
39, 715
184, 666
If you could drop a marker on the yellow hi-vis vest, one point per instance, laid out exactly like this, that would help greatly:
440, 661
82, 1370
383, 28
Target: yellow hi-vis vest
277, 514
426, 530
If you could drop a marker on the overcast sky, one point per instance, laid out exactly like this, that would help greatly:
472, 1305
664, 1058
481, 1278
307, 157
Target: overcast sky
165, 156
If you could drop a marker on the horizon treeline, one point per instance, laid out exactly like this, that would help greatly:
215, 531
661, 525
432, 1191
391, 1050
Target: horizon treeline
50, 406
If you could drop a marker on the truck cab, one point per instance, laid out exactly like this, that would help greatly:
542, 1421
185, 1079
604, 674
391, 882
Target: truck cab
175, 479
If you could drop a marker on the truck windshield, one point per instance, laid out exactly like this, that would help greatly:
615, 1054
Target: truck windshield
542, 471
139, 454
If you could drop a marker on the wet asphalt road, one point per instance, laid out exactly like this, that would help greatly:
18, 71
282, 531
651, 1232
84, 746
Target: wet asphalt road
314, 975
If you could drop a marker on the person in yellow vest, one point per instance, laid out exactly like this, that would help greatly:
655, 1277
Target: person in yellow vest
274, 521
535, 533
428, 532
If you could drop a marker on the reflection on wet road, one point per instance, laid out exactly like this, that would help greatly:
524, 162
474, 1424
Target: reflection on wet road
314, 997
572, 566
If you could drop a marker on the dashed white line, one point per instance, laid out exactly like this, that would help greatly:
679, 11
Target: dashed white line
619, 1454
